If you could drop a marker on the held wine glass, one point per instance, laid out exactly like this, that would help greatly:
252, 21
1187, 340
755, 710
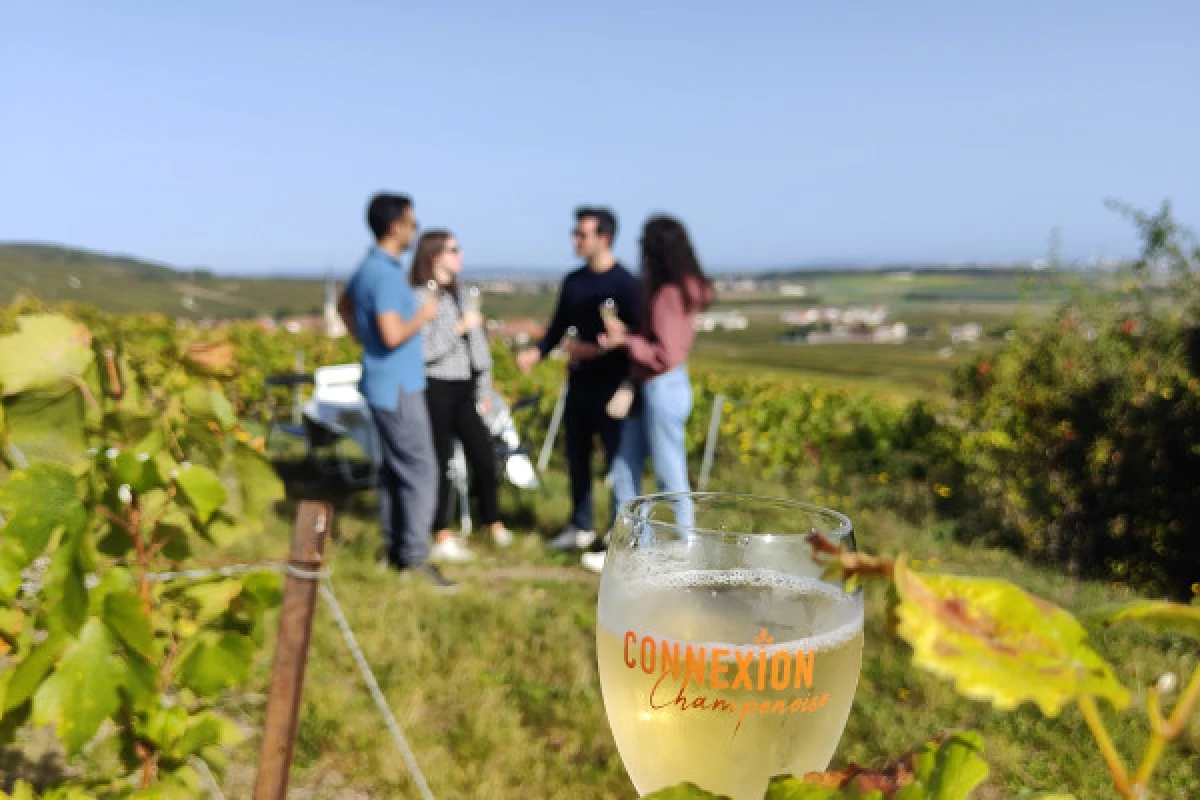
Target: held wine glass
475, 299
724, 657
430, 289
608, 310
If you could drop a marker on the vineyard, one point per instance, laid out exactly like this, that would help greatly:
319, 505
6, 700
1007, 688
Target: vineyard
134, 447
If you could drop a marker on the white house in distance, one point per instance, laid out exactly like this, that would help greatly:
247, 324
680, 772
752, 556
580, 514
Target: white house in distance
896, 332
970, 332
866, 317
725, 320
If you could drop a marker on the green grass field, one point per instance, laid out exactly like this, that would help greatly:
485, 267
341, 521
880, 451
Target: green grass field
497, 690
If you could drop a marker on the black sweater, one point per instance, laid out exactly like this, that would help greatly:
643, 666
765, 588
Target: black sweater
579, 299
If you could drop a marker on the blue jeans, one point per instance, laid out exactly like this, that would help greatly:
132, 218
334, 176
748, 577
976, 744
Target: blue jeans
655, 428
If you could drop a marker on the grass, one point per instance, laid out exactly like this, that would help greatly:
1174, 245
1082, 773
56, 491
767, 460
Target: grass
496, 687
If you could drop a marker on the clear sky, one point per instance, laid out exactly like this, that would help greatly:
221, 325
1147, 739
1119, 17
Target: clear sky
246, 136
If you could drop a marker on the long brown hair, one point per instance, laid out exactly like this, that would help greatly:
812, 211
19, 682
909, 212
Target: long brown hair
429, 247
668, 257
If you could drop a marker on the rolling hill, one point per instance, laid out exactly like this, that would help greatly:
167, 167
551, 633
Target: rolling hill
122, 284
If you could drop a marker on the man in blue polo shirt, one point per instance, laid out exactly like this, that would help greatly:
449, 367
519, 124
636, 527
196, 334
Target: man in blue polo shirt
381, 312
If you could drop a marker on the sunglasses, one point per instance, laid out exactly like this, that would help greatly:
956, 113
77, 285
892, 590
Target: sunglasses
452, 250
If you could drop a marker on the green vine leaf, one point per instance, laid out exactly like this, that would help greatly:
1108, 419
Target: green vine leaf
202, 489
222, 409
64, 593
48, 351
261, 486
211, 600
30, 672
999, 643
47, 426
949, 771
137, 470
37, 501
265, 587
83, 691
212, 662
203, 730
164, 726
125, 617
1157, 614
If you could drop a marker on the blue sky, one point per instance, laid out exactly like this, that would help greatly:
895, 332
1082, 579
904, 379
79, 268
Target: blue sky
246, 136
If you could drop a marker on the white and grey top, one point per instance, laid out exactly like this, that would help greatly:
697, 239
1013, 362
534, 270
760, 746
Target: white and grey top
450, 357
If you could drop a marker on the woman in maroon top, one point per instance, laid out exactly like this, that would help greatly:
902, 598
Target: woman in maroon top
677, 288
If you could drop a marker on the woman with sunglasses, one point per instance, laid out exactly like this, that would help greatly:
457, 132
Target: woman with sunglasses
458, 369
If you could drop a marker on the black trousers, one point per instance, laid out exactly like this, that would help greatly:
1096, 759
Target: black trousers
584, 418
452, 415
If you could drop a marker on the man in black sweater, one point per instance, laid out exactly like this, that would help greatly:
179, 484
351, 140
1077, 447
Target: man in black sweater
593, 374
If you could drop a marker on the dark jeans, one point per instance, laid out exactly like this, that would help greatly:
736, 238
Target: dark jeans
584, 418
407, 479
453, 415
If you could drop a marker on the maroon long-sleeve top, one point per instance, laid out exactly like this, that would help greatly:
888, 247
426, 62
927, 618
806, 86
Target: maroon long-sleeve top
668, 330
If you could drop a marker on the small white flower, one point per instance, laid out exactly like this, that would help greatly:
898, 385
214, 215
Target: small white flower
1167, 683
125, 494
91, 581
185, 465
92, 451
143, 456
111, 452
42, 563
174, 474
40, 636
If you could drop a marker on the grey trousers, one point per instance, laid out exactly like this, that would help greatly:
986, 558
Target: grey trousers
408, 479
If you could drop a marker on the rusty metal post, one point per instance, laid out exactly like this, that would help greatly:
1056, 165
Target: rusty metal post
313, 520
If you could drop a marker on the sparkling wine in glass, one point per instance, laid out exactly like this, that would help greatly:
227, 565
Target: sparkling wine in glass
724, 657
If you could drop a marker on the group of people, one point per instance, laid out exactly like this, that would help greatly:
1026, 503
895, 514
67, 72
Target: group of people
427, 376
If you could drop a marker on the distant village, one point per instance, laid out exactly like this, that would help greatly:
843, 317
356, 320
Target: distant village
812, 324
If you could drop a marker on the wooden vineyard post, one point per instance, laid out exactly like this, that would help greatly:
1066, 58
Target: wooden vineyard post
313, 520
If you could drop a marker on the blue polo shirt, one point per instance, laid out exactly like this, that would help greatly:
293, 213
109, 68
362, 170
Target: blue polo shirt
377, 286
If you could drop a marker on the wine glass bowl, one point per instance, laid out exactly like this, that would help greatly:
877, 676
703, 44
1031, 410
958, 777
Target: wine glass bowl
724, 657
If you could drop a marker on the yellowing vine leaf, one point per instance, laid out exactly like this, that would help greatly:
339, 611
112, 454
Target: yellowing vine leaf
211, 358
999, 643
47, 351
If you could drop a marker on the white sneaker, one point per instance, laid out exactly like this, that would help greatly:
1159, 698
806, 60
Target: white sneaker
593, 562
502, 537
572, 539
450, 551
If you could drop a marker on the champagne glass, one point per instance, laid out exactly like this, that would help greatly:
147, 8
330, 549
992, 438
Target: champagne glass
571, 336
431, 290
608, 310
724, 657
475, 299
